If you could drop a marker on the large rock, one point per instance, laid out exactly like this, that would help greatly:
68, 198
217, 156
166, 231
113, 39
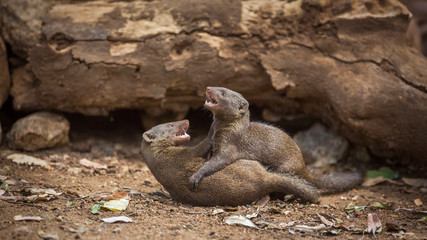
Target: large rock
38, 131
345, 62
20, 23
4, 74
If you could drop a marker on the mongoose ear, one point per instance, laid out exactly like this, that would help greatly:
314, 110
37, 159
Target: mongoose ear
149, 136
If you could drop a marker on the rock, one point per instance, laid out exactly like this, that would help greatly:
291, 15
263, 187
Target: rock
4, 74
38, 131
321, 146
21, 22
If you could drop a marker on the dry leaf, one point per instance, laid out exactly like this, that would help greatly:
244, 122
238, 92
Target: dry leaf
116, 205
118, 196
91, 164
415, 182
418, 202
368, 182
240, 220
263, 201
325, 221
253, 215
373, 223
304, 228
25, 159
117, 219
218, 211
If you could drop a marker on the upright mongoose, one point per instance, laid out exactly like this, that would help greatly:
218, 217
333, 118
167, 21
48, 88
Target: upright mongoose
235, 137
241, 182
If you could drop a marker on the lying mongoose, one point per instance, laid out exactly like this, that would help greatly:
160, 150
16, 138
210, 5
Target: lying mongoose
241, 182
235, 137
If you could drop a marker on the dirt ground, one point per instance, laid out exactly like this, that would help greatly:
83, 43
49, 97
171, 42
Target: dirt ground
156, 216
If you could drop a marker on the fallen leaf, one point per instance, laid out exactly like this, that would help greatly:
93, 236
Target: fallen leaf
25, 159
116, 205
2, 192
97, 207
304, 228
263, 201
380, 205
240, 220
44, 191
285, 225
253, 215
5, 186
69, 203
117, 219
325, 221
423, 219
398, 235
385, 172
373, 223
415, 182
218, 211
118, 196
27, 218
2, 178
368, 182
91, 164
351, 207
418, 202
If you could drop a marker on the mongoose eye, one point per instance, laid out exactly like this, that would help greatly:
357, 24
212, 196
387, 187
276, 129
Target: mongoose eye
223, 93
170, 126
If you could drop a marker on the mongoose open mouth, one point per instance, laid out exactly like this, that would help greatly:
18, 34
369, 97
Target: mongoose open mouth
181, 135
211, 101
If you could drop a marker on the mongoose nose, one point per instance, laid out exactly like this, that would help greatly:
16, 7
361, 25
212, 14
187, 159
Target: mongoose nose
186, 121
208, 89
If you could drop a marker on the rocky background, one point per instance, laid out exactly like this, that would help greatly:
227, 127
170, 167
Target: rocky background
354, 65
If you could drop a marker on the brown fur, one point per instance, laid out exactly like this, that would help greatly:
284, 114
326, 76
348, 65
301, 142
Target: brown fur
241, 182
235, 137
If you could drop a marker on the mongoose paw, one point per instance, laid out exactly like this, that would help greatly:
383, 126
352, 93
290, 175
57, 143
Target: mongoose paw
194, 182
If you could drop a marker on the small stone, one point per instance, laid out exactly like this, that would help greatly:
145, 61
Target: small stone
60, 218
117, 230
38, 131
321, 145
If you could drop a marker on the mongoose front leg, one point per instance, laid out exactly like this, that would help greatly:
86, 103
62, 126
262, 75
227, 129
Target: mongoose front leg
215, 164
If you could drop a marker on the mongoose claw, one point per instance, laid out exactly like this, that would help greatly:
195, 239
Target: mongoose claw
194, 182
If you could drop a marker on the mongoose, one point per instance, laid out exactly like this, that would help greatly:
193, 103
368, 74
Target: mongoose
235, 137
241, 182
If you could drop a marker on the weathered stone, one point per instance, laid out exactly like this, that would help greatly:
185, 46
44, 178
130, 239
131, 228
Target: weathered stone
20, 23
321, 146
4, 74
38, 131
345, 62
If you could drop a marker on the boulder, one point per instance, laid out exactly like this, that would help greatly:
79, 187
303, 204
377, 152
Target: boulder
39, 131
